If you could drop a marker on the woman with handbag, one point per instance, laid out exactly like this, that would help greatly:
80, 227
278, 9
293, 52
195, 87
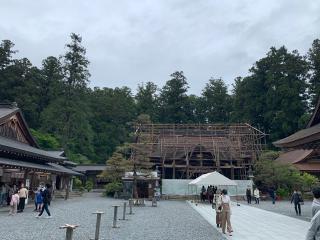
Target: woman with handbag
226, 212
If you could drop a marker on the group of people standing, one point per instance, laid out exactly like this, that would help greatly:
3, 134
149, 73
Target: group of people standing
14, 197
208, 194
256, 195
17, 198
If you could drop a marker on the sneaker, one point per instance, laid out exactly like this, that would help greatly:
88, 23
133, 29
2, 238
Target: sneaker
37, 216
49, 217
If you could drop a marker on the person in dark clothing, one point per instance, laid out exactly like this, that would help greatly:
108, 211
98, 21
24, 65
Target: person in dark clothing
272, 193
46, 195
296, 199
248, 194
210, 194
203, 194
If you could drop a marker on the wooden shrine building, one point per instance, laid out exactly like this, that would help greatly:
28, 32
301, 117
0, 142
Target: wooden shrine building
22, 160
185, 151
302, 149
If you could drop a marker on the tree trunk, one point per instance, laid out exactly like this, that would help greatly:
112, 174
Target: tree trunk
135, 183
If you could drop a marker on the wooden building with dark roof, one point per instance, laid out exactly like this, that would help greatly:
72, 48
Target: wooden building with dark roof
302, 149
22, 160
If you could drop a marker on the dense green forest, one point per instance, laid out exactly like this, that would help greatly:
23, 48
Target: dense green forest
277, 96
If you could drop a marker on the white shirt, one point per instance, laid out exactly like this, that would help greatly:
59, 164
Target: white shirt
225, 199
256, 193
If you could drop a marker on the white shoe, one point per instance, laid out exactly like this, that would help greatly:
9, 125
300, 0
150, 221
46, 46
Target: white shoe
37, 216
49, 217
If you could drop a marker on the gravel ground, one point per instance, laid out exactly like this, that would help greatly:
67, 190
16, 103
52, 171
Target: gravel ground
170, 220
285, 208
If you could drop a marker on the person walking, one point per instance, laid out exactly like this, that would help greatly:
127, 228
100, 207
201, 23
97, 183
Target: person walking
226, 212
23, 195
248, 194
14, 203
46, 198
296, 199
256, 194
272, 193
314, 229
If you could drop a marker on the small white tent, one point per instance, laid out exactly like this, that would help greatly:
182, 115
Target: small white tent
213, 178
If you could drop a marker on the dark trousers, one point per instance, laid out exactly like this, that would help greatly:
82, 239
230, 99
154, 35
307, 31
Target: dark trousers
45, 207
22, 202
249, 199
297, 207
257, 200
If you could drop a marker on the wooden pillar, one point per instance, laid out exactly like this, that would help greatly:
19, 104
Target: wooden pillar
67, 184
174, 169
232, 172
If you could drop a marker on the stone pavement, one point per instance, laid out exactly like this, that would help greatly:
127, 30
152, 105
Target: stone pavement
285, 208
250, 223
170, 220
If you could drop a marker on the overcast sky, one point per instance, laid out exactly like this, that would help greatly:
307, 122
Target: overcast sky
134, 41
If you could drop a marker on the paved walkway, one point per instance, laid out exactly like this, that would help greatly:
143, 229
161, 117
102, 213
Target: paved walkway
284, 208
250, 223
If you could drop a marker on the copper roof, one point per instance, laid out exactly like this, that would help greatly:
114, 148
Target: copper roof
294, 156
309, 167
50, 167
299, 138
19, 147
89, 167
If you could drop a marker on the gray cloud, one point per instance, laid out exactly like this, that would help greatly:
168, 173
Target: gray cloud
129, 42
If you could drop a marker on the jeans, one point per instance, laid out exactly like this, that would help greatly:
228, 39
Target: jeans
45, 207
249, 199
2, 198
297, 207
257, 200
22, 203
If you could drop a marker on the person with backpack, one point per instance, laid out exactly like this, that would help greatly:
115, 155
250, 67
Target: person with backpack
297, 200
46, 198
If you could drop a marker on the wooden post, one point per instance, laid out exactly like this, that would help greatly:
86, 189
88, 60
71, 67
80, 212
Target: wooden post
98, 222
69, 230
130, 206
115, 213
124, 211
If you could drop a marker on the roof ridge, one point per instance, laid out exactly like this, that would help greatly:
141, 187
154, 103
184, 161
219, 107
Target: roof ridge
11, 105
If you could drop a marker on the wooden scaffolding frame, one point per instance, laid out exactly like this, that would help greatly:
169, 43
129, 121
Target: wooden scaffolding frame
189, 150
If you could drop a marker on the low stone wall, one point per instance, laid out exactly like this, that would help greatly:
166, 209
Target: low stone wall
180, 187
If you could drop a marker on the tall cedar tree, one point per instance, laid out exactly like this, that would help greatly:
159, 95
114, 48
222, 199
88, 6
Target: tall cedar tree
147, 100
112, 109
314, 60
216, 101
68, 116
174, 100
274, 95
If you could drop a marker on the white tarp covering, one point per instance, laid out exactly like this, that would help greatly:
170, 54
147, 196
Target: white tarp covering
213, 178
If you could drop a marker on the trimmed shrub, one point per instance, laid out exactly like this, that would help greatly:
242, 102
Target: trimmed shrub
89, 185
112, 188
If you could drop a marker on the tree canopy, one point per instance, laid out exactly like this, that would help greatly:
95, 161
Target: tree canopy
277, 96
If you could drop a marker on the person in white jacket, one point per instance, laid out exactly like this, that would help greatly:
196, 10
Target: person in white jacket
256, 194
